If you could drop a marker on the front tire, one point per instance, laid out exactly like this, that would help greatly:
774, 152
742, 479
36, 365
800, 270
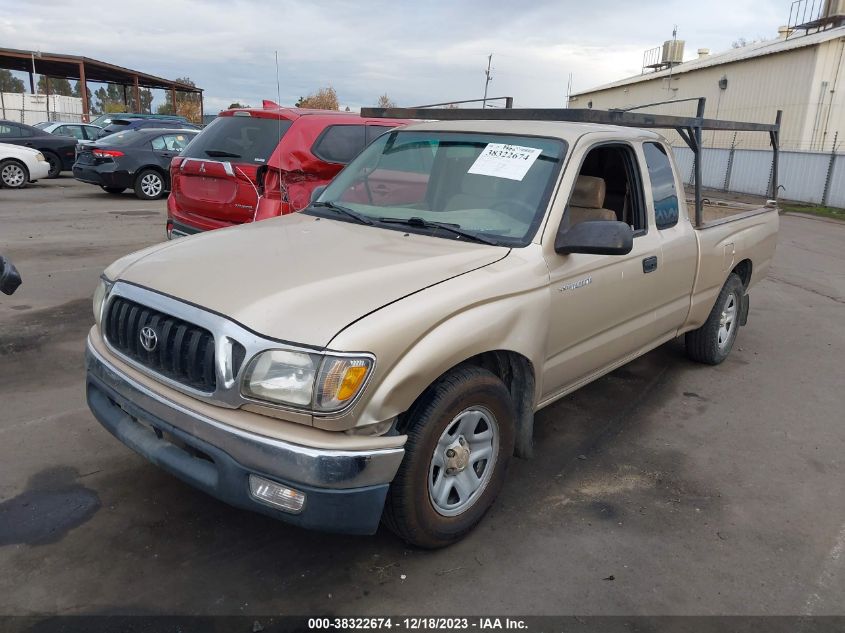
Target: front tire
460, 441
149, 185
13, 175
55, 164
712, 342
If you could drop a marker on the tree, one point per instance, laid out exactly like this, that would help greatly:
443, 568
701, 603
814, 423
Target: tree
58, 86
323, 99
236, 104
10, 83
187, 103
109, 98
386, 102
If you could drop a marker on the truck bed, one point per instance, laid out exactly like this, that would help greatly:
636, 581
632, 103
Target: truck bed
721, 211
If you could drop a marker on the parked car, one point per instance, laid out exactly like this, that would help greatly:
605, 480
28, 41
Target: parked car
79, 131
136, 159
381, 354
255, 163
21, 165
122, 124
104, 119
58, 150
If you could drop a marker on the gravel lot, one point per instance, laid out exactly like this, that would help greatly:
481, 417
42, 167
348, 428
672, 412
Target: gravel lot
663, 488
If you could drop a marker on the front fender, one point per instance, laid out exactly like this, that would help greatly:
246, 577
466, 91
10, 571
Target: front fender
420, 338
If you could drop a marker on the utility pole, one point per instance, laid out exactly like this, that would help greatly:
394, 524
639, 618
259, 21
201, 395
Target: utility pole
487, 80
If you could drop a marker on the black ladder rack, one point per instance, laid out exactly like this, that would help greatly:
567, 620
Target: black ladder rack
689, 128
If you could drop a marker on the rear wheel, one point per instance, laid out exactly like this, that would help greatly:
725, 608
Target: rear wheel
460, 441
13, 174
55, 164
114, 190
149, 185
712, 342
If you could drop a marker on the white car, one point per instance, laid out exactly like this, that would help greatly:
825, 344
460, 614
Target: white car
20, 165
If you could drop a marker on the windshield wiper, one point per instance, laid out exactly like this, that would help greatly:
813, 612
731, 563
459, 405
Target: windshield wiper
452, 228
221, 153
358, 217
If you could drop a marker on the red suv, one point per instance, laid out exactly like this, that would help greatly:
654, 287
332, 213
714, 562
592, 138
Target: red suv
256, 163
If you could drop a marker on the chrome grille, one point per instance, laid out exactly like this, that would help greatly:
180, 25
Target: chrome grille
179, 350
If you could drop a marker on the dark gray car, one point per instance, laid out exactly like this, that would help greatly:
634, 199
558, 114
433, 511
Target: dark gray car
136, 159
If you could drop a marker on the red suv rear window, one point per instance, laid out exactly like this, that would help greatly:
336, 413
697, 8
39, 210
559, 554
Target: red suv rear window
239, 139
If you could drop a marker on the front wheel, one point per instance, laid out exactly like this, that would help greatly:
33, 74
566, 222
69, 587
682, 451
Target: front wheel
460, 440
55, 164
149, 185
712, 342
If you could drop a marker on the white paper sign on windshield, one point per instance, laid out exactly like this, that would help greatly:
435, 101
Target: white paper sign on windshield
505, 161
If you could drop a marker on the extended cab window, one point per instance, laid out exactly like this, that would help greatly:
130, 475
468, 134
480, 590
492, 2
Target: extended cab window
608, 187
492, 187
662, 185
340, 143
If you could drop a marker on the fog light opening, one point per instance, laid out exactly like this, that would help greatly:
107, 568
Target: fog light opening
276, 495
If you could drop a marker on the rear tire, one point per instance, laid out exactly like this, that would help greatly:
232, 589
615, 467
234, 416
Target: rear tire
460, 441
149, 185
13, 175
55, 164
114, 190
712, 342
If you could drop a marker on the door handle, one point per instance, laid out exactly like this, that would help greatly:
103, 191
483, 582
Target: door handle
650, 264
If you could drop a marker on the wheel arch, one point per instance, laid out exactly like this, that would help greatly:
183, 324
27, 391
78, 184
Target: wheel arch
743, 270
517, 373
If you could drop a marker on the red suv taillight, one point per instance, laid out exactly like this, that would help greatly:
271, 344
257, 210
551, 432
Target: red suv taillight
107, 153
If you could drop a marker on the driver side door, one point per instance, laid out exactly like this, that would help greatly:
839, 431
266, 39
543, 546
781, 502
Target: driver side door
601, 308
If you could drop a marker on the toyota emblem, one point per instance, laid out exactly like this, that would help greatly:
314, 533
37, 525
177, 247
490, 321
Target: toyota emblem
149, 338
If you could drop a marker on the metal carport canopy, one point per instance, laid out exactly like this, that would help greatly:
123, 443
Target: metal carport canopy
86, 69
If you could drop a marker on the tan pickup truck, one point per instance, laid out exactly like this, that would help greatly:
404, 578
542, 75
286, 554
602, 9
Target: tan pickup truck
380, 356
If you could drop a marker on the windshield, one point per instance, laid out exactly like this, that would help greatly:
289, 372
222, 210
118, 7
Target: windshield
493, 186
240, 139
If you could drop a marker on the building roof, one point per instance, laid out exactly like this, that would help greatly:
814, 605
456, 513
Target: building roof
757, 49
68, 66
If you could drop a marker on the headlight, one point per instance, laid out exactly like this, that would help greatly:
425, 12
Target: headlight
283, 377
39, 157
101, 293
322, 383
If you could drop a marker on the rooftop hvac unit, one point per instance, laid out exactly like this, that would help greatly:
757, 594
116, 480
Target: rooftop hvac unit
673, 50
833, 8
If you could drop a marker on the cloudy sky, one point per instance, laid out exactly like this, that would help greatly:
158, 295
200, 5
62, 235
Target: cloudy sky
417, 52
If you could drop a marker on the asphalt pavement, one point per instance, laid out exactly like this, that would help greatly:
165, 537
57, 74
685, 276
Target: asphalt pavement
663, 488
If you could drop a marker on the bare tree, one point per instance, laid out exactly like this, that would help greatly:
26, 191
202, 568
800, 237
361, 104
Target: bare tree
323, 99
386, 102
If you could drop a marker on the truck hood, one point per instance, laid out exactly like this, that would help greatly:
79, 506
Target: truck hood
299, 278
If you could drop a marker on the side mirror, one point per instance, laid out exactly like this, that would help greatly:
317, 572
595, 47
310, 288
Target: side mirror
318, 191
10, 278
601, 237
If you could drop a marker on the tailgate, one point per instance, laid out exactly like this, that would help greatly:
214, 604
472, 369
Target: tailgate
220, 190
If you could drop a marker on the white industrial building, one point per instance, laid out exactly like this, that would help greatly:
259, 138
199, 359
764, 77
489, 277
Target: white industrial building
800, 72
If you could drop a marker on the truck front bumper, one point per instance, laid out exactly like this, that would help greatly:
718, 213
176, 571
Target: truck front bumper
344, 491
